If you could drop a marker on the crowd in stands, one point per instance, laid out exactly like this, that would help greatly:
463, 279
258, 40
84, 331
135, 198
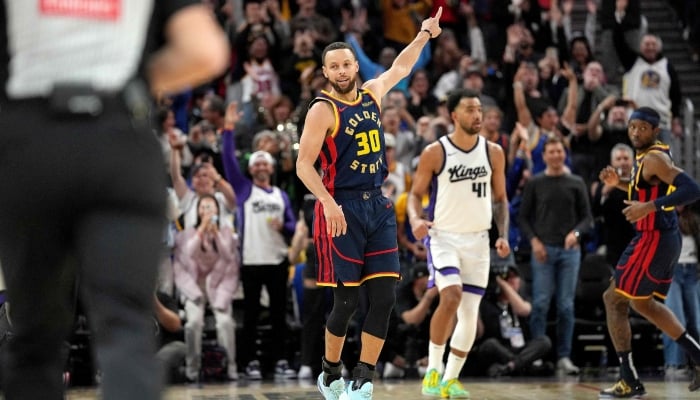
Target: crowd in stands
243, 218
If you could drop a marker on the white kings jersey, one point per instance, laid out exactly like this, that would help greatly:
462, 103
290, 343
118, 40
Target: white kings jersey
460, 198
263, 245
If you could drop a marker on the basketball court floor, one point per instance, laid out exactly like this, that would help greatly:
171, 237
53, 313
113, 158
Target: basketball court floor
569, 388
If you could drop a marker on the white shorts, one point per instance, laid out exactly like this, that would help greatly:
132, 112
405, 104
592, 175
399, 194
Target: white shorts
459, 258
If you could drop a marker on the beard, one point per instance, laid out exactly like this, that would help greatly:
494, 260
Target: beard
471, 130
352, 83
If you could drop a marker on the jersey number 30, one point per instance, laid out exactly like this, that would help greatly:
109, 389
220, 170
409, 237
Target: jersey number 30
368, 142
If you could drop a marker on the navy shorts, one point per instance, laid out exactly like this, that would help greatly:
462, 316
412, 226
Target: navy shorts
368, 250
646, 266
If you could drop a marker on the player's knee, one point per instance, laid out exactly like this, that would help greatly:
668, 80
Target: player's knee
345, 301
382, 296
450, 297
609, 296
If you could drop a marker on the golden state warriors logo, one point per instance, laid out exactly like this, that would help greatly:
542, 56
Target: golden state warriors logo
651, 79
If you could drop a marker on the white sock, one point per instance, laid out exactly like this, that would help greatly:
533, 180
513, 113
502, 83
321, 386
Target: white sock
454, 367
435, 354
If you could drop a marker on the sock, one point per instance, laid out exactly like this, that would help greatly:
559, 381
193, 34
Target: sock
691, 347
361, 374
454, 367
435, 354
627, 370
331, 371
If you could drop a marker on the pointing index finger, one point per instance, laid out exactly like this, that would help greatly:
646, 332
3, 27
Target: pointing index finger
438, 14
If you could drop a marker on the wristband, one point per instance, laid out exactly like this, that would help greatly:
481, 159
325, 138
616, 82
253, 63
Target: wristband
428, 32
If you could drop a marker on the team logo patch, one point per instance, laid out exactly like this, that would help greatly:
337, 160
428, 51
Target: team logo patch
89, 9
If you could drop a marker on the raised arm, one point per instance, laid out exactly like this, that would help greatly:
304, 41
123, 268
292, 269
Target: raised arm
240, 183
568, 117
178, 181
595, 131
404, 62
524, 115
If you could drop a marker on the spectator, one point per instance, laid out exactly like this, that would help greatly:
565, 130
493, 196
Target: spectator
205, 180
607, 126
626, 17
506, 348
491, 128
554, 214
172, 349
473, 79
266, 221
399, 174
651, 81
421, 101
592, 93
206, 272
409, 329
307, 18
405, 139
546, 122
608, 203
167, 132
682, 298
297, 69
397, 98
401, 20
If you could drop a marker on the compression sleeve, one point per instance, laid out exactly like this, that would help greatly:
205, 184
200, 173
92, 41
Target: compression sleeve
687, 191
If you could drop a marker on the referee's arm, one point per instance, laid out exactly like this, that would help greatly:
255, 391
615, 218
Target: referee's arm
196, 50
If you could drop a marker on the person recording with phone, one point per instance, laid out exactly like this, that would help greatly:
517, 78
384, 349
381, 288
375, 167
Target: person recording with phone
206, 269
506, 347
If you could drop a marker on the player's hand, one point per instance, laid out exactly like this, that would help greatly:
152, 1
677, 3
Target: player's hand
420, 227
636, 210
335, 219
609, 176
432, 24
502, 247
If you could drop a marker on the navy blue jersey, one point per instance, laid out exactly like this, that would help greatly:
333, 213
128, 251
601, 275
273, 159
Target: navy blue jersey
642, 191
352, 156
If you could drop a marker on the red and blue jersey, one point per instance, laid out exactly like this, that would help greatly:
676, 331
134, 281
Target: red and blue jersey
643, 191
352, 156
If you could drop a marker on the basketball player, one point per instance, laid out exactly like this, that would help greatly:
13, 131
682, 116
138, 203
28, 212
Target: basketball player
466, 177
645, 268
354, 225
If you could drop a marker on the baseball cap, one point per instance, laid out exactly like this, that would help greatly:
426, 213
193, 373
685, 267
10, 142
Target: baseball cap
260, 155
473, 69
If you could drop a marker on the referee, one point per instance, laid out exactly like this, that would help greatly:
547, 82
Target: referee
82, 176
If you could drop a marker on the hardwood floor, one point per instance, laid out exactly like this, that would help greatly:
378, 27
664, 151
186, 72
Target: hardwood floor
511, 389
